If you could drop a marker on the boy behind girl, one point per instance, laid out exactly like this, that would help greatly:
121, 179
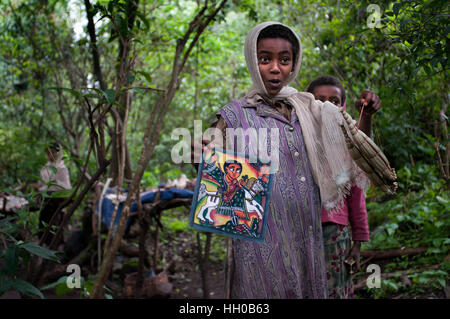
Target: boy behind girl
340, 255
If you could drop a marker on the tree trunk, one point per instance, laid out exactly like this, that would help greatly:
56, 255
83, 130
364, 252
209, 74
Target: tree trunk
152, 132
203, 261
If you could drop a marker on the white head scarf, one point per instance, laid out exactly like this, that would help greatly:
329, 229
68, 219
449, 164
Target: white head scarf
61, 177
333, 169
251, 57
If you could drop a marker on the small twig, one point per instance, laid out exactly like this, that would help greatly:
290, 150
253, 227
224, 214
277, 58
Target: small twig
360, 115
111, 224
142, 236
146, 88
441, 166
99, 225
3, 241
228, 269
203, 258
158, 222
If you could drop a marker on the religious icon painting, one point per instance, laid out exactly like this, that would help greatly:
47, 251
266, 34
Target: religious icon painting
231, 196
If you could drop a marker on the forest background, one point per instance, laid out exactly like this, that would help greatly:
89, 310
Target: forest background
111, 80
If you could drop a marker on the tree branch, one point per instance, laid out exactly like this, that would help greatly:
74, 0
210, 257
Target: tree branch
154, 126
93, 37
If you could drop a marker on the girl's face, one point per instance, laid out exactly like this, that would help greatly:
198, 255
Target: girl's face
233, 171
275, 60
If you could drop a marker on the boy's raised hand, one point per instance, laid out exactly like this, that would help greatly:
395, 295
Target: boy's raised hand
353, 257
370, 101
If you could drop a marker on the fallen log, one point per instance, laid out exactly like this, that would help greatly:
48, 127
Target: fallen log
400, 274
385, 254
165, 204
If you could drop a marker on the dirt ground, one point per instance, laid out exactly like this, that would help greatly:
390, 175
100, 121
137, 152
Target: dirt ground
186, 277
177, 257
188, 283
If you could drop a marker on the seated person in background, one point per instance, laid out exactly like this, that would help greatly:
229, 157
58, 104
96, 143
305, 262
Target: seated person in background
338, 251
54, 181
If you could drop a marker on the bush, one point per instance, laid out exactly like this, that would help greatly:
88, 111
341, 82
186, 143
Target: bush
15, 258
416, 217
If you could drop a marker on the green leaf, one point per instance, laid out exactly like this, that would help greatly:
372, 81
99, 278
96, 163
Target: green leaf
25, 287
5, 285
53, 169
423, 279
396, 8
391, 284
130, 78
62, 289
60, 281
11, 260
91, 95
442, 200
109, 94
87, 287
146, 75
391, 228
71, 91
82, 42
6, 225
65, 193
40, 251
439, 224
434, 251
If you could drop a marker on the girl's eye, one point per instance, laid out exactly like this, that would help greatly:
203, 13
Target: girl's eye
232, 169
263, 59
285, 60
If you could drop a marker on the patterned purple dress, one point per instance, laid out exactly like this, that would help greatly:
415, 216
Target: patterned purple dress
290, 263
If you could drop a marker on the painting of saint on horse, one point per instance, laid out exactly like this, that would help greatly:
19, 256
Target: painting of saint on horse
231, 195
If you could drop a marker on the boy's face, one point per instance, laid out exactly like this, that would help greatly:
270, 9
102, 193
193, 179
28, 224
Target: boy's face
233, 171
328, 93
275, 59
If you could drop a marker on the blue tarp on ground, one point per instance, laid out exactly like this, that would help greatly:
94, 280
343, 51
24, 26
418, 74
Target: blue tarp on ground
146, 197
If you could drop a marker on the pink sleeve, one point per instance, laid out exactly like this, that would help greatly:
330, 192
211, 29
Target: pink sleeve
358, 215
